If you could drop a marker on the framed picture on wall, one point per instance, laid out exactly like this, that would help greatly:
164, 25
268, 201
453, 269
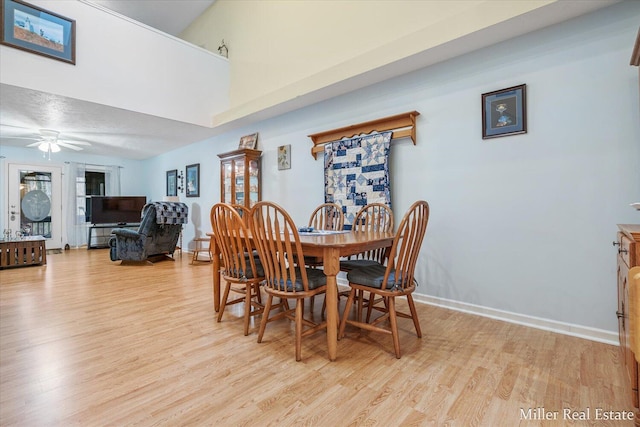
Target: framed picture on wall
172, 182
504, 112
33, 29
284, 157
249, 141
193, 180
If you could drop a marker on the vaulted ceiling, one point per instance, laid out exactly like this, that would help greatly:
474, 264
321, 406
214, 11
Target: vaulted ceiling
128, 134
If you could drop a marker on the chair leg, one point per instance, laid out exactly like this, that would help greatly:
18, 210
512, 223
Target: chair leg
343, 321
394, 325
265, 317
258, 293
224, 300
312, 301
370, 304
324, 305
299, 312
247, 307
414, 315
360, 305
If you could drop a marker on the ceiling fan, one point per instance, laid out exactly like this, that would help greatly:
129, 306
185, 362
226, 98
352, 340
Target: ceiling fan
47, 140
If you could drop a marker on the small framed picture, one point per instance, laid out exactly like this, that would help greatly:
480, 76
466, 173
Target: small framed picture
504, 112
284, 157
33, 29
249, 141
172, 182
193, 180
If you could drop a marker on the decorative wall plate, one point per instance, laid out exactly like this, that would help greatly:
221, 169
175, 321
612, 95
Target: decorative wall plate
36, 205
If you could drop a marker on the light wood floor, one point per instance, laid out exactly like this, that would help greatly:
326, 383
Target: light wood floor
88, 342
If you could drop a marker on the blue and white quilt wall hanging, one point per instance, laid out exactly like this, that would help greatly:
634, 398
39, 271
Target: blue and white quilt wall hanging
356, 173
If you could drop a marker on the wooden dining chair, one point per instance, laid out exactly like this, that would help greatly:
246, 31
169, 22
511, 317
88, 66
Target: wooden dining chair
327, 216
396, 279
280, 251
242, 210
372, 217
241, 272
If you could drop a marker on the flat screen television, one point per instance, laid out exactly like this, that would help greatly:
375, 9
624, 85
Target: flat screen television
116, 209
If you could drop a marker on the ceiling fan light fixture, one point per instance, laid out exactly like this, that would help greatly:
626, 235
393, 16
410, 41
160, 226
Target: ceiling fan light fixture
49, 147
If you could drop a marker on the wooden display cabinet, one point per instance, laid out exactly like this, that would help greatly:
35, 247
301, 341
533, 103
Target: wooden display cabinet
240, 177
628, 243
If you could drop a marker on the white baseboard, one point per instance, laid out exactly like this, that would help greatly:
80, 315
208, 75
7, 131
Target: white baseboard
585, 332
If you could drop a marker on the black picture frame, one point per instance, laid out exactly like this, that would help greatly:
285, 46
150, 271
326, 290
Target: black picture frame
172, 182
36, 30
192, 176
504, 112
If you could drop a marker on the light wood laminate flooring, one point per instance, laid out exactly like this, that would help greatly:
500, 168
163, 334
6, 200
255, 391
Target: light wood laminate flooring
88, 342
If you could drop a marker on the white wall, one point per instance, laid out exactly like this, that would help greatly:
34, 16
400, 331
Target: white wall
126, 65
275, 43
522, 224
289, 54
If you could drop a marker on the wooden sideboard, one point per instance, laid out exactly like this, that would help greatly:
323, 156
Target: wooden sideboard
628, 245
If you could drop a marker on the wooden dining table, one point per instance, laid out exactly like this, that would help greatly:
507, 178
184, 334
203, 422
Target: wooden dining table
331, 247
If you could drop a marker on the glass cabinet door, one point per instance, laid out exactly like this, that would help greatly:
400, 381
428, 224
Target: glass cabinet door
240, 177
227, 167
239, 184
254, 184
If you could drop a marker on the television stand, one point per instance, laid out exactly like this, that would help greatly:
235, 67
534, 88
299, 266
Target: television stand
99, 234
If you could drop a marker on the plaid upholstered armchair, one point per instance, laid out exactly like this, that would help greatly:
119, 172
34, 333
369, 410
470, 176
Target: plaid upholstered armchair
157, 235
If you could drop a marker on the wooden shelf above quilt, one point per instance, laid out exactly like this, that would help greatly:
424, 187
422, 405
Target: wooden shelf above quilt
403, 126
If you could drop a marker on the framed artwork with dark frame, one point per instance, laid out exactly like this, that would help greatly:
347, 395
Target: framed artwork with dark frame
192, 173
36, 30
249, 141
172, 182
504, 112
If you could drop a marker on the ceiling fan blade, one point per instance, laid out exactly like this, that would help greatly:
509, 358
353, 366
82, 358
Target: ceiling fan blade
35, 144
64, 144
15, 132
73, 142
29, 138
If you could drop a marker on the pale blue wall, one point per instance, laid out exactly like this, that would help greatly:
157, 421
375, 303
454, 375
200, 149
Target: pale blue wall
522, 223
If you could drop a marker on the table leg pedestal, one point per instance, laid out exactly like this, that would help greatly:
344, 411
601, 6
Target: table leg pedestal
331, 258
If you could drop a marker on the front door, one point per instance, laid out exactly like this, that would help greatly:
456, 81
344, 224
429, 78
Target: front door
35, 202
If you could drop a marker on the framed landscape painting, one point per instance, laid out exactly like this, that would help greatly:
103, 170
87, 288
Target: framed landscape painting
504, 112
36, 30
